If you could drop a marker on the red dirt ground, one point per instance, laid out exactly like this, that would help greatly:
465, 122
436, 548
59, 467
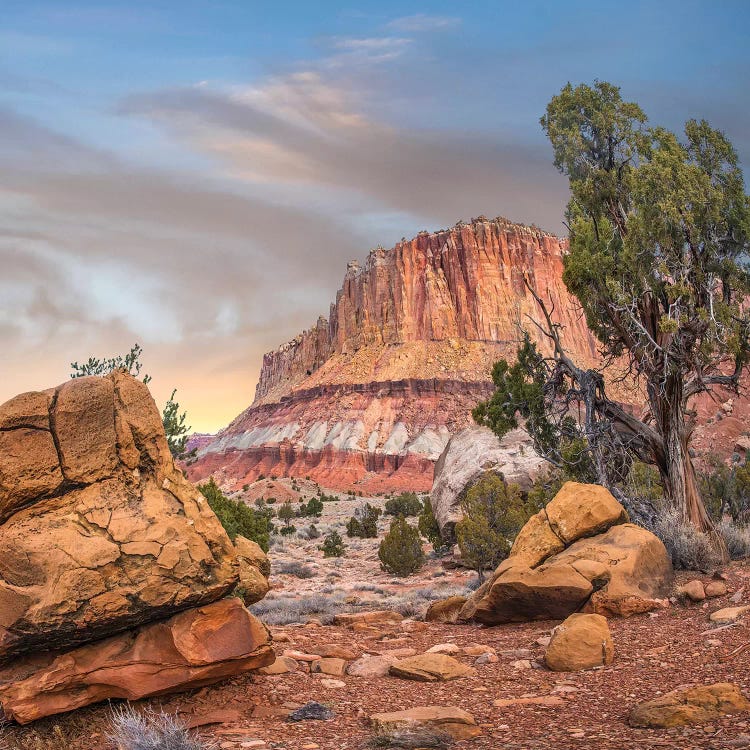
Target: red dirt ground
653, 653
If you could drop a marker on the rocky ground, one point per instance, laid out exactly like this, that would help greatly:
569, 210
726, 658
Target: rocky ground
304, 583
517, 703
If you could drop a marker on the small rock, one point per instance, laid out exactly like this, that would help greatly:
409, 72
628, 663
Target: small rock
580, 642
300, 655
736, 597
445, 648
728, 614
334, 651
370, 666
312, 710
486, 659
456, 722
691, 705
544, 640
430, 668
715, 588
521, 664
331, 666
333, 684
692, 590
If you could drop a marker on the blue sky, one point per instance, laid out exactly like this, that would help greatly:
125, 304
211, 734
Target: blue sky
195, 175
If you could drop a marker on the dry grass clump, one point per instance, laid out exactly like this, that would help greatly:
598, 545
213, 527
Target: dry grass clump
151, 730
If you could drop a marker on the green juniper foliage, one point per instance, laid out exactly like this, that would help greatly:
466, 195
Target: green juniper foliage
400, 552
174, 423
428, 525
493, 514
405, 504
658, 259
333, 545
364, 522
237, 518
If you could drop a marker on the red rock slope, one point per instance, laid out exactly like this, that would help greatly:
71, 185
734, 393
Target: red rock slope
368, 398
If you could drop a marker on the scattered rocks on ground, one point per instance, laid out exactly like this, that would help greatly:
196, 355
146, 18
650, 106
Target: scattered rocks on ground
370, 666
692, 590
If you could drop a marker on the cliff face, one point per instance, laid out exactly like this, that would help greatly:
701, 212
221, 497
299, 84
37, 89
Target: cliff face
369, 397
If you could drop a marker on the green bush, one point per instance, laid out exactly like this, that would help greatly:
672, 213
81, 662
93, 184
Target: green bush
400, 551
333, 545
406, 504
364, 522
493, 514
313, 508
237, 518
428, 526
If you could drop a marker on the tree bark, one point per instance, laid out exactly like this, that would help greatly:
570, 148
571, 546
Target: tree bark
668, 406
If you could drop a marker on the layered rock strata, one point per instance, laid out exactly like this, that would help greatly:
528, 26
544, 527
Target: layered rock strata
369, 397
101, 534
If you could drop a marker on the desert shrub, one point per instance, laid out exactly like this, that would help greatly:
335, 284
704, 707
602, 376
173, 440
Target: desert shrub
737, 539
286, 513
364, 522
288, 530
312, 508
333, 545
150, 730
311, 532
493, 514
237, 518
428, 526
285, 609
400, 551
726, 489
406, 504
689, 548
295, 568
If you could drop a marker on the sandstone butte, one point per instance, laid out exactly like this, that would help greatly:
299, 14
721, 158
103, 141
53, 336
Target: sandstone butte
368, 398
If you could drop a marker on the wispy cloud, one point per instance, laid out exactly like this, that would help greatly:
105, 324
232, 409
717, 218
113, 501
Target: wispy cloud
423, 22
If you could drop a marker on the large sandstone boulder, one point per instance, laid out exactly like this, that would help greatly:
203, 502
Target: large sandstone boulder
577, 553
470, 454
101, 532
191, 649
101, 540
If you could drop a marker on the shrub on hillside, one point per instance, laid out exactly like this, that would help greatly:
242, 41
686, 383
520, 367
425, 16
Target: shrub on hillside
428, 526
406, 504
400, 551
236, 517
295, 568
493, 514
364, 522
313, 508
333, 545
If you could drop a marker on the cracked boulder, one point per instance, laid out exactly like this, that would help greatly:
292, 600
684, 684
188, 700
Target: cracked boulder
100, 532
190, 649
578, 553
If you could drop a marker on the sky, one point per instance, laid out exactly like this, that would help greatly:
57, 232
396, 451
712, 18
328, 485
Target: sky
194, 175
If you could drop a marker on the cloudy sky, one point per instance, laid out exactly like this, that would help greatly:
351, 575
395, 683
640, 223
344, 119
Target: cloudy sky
194, 175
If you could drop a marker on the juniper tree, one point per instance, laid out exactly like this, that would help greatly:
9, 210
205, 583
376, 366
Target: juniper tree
659, 228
